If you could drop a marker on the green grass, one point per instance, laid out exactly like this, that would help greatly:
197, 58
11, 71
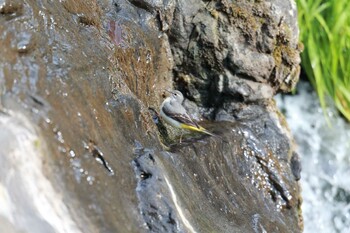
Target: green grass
325, 33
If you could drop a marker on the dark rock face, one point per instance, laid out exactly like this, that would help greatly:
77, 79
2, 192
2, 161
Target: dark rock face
79, 149
234, 50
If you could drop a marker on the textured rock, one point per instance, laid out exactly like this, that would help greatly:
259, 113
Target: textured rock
79, 149
235, 49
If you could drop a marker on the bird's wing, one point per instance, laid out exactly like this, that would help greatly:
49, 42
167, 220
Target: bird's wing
183, 117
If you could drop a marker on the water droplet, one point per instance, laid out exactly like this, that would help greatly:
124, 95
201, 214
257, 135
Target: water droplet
148, 57
72, 153
62, 149
90, 180
59, 137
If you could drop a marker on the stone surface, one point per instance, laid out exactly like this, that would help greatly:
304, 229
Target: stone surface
226, 50
81, 152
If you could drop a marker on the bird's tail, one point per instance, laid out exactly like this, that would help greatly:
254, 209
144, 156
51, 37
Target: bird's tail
201, 130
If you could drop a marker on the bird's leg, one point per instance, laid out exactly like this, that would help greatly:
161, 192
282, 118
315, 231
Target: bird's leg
181, 137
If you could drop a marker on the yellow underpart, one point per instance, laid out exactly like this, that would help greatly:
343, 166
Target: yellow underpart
193, 128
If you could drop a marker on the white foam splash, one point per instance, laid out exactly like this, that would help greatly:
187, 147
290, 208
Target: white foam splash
325, 157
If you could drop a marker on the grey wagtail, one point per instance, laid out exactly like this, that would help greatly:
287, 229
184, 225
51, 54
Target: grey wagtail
176, 115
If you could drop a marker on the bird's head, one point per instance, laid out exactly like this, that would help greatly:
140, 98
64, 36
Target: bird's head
176, 95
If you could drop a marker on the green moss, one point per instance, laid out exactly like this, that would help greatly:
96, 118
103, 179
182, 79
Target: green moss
214, 13
245, 20
277, 55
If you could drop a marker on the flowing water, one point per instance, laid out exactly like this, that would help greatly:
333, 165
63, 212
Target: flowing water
324, 149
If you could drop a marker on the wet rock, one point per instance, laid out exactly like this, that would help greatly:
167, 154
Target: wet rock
24, 42
218, 183
218, 43
83, 144
10, 7
295, 164
156, 208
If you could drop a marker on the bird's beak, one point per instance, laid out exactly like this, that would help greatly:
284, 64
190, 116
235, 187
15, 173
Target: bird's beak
169, 91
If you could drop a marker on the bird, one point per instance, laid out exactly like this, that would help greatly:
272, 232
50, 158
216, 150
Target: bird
174, 113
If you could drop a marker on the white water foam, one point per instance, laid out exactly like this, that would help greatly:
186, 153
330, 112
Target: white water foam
325, 155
